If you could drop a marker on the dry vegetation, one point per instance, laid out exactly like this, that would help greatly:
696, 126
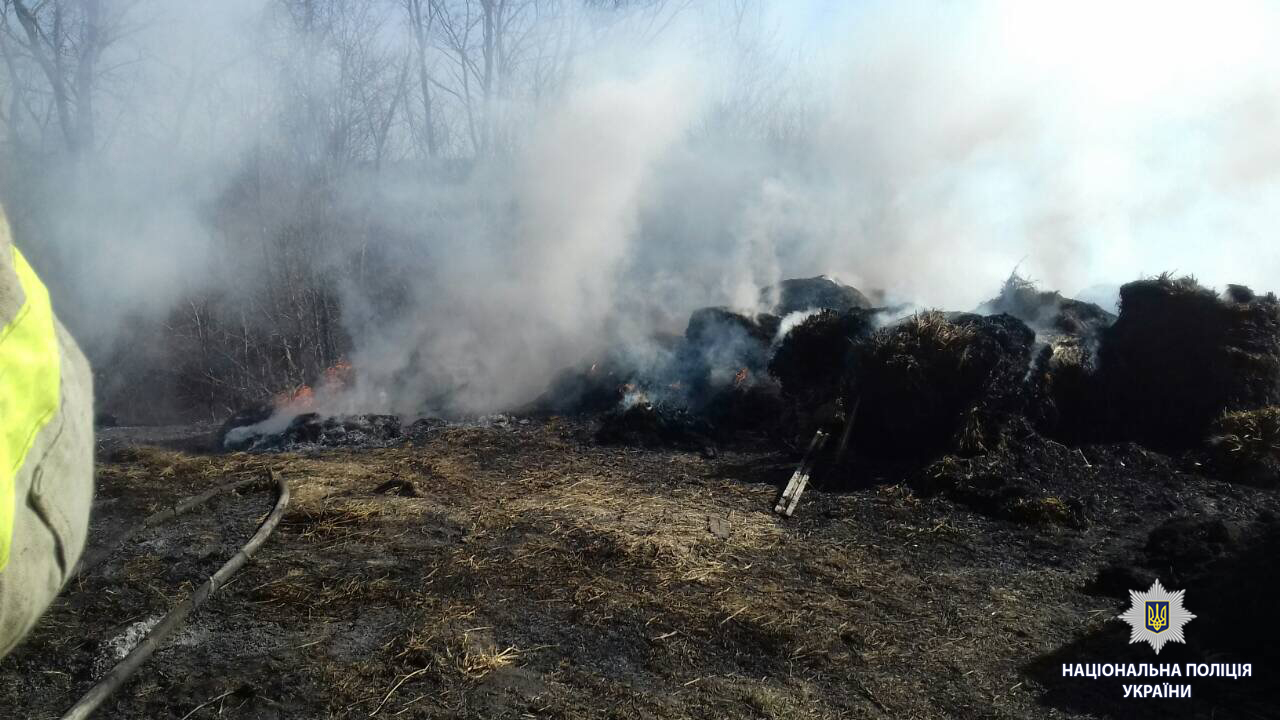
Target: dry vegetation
518, 573
1247, 443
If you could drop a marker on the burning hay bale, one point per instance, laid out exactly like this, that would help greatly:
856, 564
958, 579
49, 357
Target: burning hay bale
815, 293
1063, 397
1161, 373
721, 371
596, 388
928, 384
814, 360
1049, 314
709, 382
711, 326
719, 342
1179, 356
721, 350
934, 383
814, 366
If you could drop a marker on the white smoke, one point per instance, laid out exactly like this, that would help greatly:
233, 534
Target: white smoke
532, 276
919, 149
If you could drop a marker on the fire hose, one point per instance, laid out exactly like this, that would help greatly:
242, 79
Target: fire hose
171, 622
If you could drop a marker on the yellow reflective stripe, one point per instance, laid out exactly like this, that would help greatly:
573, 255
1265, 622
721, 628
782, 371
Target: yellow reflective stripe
30, 377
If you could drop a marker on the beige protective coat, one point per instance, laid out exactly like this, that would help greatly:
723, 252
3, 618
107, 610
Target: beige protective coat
54, 487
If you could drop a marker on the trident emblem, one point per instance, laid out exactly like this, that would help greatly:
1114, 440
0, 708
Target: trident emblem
1157, 616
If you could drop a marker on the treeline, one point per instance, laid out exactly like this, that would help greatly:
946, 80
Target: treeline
207, 196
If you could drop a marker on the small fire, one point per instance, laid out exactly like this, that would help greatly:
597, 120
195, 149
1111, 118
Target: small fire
338, 376
299, 398
741, 377
303, 397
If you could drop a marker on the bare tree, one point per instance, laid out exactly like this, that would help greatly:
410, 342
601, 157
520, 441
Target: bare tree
65, 41
422, 18
333, 95
487, 41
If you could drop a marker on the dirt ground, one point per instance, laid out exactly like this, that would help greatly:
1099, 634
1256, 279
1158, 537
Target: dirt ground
526, 571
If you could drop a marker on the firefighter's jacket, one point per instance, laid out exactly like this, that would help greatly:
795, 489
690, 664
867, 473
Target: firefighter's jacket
46, 447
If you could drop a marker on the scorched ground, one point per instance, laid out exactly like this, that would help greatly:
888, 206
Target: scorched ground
527, 571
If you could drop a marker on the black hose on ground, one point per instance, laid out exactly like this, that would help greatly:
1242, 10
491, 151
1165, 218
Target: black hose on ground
177, 616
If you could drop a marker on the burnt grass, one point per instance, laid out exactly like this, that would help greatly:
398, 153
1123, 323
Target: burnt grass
528, 571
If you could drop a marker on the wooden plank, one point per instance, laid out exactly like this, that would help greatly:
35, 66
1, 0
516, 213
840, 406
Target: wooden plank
795, 496
800, 478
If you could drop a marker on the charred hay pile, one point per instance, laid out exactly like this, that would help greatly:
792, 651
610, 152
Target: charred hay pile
717, 381
1179, 356
1180, 370
313, 429
936, 383
926, 384
803, 294
267, 428
1052, 316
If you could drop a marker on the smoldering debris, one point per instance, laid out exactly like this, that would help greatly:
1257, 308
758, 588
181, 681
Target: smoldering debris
1033, 369
595, 388
1179, 370
711, 382
244, 424
1052, 316
645, 424
716, 381
308, 430
1067, 335
265, 427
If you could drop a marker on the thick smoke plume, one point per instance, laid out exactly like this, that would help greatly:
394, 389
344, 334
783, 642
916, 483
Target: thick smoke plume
460, 198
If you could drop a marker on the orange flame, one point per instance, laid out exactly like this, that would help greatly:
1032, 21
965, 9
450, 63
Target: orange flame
297, 399
339, 375
741, 377
303, 397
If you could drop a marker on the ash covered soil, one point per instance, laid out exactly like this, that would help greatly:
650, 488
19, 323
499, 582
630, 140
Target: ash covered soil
997, 484
525, 570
